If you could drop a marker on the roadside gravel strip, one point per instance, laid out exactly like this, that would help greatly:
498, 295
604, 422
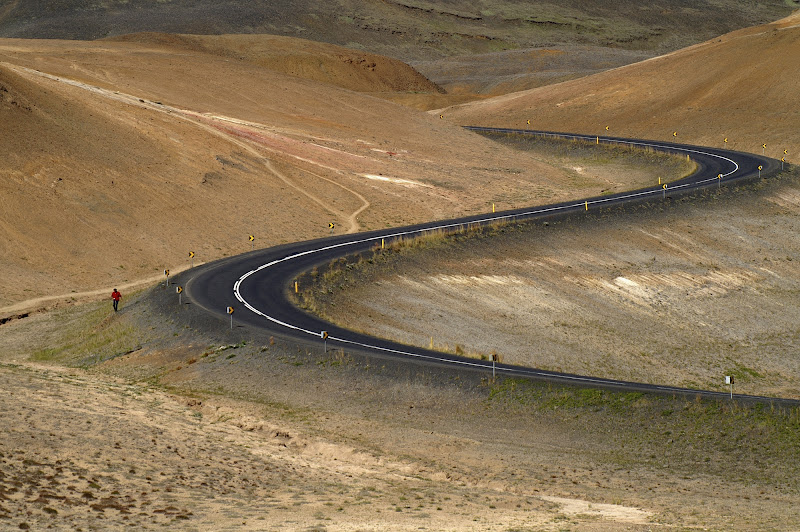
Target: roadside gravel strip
257, 284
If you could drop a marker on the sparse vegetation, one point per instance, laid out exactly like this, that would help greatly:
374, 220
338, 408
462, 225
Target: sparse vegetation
158, 417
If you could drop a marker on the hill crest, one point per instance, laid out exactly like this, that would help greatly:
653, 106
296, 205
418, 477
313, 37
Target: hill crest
742, 87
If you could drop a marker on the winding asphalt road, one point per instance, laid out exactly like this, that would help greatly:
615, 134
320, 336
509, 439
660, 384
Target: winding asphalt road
257, 284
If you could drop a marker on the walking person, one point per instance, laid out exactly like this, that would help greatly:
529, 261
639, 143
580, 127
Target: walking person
116, 296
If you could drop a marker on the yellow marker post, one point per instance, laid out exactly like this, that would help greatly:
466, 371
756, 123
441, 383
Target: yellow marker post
719, 181
296, 288
586, 204
598, 140
383, 243
659, 180
493, 207
431, 342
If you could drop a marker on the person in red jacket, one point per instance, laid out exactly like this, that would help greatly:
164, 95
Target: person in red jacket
116, 296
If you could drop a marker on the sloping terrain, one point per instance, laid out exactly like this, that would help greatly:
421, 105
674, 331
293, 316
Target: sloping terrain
223, 429
742, 86
120, 157
406, 29
124, 157
343, 67
679, 296
472, 49
516, 70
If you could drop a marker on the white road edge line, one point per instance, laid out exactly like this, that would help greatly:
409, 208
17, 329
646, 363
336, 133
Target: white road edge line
240, 298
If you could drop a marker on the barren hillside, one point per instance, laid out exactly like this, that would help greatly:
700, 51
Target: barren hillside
344, 67
742, 86
123, 157
405, 29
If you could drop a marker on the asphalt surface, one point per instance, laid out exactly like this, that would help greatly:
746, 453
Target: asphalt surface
256, 285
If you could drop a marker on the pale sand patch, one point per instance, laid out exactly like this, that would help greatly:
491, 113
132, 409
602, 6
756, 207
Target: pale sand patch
477, 280
786, 198
618, 513
395, 180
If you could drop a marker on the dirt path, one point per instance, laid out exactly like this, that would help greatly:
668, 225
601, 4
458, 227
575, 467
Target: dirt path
238, 137
90, 295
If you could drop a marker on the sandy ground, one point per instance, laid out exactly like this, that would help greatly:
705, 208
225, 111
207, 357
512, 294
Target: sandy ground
706, 93
196, 436
127, 156
682, 297
89, 452
120, 169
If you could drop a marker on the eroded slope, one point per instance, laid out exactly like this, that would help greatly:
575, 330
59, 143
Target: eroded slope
742, 86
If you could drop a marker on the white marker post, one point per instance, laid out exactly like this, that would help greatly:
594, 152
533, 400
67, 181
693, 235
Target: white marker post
494, 359
729, 381
324, 336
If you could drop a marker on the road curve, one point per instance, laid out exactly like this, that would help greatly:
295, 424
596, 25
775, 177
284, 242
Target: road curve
257, 284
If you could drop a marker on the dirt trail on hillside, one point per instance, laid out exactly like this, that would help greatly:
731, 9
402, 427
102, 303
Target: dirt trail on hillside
154, 151
241, 137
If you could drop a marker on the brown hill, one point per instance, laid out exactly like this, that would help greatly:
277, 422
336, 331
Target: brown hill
344, 67
742, 86
120, 158
405, 29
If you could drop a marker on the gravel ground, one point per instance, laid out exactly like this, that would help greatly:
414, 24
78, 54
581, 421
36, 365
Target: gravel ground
682, 295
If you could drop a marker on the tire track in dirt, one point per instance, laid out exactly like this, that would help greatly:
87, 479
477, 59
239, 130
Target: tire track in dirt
210, 124
351, 219
230, 134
